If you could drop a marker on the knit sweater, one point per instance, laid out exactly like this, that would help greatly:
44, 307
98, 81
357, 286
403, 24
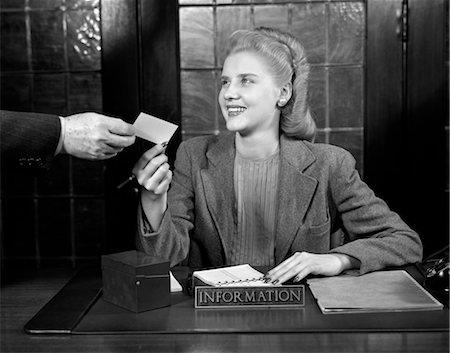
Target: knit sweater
255, 185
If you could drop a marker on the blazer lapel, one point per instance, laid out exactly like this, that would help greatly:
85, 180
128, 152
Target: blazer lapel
218, 185
295, 190
295, 193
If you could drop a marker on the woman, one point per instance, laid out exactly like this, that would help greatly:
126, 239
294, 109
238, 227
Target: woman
264, 194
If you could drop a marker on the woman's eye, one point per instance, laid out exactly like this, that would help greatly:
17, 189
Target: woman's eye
246, 81
225, 82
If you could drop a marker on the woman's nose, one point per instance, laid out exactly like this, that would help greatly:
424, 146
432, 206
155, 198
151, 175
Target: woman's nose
230, 92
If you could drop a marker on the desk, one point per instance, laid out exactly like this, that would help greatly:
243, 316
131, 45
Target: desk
25, 295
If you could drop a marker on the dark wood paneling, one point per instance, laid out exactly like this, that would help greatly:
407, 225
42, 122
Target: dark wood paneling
406, 114
425, 123
383, 126
160, 72
140, 73
121, 98
120, 58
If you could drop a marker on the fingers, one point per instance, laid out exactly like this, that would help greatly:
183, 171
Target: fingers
111, 131
283, 267
99, 156
101, 151
153, 172
153, 180
297, 265
119, 127
105, 149
118, 141
119, 133
147, 157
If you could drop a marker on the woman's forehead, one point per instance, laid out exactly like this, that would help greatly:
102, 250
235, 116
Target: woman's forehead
246, 61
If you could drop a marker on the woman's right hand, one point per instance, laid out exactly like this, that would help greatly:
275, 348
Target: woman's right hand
153, 173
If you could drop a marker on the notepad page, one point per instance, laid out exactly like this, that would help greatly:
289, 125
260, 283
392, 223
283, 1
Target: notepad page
175, 286
236, 276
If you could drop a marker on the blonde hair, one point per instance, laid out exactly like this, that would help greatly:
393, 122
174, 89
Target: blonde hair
287, 60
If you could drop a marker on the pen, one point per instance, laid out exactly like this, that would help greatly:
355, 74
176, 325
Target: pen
132, 177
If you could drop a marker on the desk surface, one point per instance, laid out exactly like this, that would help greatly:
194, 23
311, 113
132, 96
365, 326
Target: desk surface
24, 296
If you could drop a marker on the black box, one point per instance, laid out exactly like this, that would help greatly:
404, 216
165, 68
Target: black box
136, 281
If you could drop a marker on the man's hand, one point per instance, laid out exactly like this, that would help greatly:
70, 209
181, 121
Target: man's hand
94, 136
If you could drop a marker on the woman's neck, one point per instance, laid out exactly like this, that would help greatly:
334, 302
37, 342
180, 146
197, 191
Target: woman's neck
257, 147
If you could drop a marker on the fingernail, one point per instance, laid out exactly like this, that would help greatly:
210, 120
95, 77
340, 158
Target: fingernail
267, 280
275, 282
164, 144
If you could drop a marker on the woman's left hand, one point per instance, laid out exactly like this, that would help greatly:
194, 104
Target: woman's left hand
302, 264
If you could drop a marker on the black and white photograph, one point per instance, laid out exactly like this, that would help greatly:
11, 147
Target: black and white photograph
224, 176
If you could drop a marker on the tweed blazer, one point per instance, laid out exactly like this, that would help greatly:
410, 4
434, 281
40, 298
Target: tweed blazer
323, 207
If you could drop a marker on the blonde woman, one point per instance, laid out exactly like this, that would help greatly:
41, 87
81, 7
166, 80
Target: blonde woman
263, 193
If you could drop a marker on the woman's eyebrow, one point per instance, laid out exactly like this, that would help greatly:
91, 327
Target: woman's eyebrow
248, 74
240, 75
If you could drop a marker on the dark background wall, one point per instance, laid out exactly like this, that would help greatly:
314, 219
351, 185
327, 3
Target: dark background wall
66, 56
51, 63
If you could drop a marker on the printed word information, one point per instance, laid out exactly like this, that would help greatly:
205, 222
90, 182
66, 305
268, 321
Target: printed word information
243, 297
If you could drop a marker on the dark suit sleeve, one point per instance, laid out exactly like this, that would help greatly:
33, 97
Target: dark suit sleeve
28, 140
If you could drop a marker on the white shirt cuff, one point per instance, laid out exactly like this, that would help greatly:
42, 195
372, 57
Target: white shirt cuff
61, 136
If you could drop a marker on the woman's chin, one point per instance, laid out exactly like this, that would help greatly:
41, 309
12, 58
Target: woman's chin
235, 126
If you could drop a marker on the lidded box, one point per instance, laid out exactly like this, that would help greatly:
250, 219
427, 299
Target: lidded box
136, 281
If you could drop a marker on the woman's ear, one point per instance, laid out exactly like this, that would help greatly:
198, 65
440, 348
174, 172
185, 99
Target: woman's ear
285, 94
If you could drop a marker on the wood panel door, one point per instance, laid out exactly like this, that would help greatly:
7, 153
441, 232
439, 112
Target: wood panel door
407, 100
140, 70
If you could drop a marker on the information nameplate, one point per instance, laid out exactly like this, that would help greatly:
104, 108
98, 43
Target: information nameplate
209, 297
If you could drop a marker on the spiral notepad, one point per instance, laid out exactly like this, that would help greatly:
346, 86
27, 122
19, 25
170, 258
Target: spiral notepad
232, 276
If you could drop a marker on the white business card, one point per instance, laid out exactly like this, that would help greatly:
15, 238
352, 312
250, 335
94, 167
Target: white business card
154, 129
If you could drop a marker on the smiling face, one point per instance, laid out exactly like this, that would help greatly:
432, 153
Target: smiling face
249, 95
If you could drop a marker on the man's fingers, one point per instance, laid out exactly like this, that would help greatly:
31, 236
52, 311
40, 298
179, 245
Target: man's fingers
120, 127
102, 149
118, 141
101, 156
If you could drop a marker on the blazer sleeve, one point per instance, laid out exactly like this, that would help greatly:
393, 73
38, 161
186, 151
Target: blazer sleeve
171, 240
378, 237
28, 140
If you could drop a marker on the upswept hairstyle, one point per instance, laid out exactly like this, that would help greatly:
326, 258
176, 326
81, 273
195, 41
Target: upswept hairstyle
287, 60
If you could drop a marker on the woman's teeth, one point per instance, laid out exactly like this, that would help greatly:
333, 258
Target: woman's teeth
233, 111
